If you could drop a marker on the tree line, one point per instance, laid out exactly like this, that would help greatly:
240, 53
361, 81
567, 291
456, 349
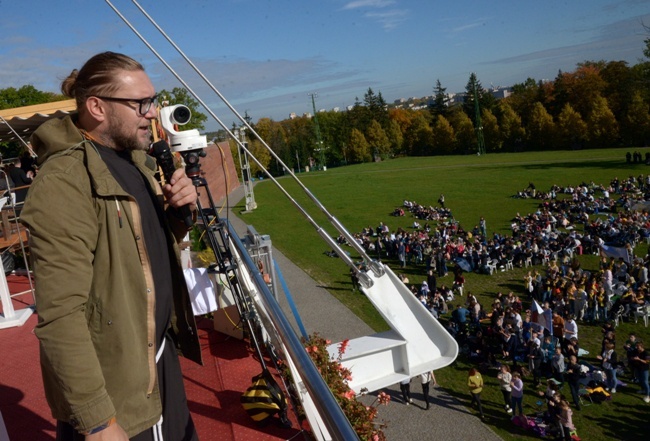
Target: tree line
598, 105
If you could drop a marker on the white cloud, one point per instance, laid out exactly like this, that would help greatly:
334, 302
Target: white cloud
369, 4
474, 24
389, 19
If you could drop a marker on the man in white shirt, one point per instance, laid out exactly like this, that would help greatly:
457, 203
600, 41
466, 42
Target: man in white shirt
570, 329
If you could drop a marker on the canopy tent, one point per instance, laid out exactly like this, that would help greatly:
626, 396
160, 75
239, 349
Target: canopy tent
25, 120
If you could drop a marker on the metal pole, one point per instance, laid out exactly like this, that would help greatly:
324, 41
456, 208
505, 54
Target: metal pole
376, 267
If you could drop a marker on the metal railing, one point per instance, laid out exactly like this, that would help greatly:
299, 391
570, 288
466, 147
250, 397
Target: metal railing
329, 410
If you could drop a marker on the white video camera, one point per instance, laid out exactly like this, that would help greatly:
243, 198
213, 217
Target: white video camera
181, 141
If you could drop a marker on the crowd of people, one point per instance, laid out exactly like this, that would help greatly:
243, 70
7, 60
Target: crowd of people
544, 344
16, 176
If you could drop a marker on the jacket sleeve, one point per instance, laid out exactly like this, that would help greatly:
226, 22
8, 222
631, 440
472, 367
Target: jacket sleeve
177, 225
62, 220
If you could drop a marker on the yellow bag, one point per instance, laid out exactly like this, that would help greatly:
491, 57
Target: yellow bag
263, 399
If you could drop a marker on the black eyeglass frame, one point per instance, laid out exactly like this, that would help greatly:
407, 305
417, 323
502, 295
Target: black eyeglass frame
148, 102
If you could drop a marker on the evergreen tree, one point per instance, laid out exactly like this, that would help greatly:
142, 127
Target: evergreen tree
440, 105
474, 90
376, 108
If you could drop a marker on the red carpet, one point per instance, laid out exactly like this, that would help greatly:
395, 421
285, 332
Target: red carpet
213, 390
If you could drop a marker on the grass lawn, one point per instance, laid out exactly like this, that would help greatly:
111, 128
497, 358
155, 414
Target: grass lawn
366, 194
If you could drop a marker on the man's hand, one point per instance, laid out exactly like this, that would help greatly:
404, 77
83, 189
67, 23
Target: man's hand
114, 432
180, 191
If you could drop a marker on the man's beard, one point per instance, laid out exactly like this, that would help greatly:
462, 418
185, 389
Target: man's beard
122, 141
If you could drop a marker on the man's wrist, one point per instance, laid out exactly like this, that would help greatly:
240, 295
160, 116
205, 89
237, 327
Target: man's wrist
101, 427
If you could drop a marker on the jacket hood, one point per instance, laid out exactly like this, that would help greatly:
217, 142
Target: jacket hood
54, 136
58, 135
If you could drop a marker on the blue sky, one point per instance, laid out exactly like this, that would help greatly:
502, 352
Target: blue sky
267, 56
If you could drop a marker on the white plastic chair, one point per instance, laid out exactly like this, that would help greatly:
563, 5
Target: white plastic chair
618, 315
643, 312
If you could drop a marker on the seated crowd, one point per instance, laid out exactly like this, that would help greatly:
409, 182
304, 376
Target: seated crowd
508, 335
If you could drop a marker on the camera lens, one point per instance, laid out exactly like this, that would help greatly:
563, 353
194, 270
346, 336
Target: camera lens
181, 115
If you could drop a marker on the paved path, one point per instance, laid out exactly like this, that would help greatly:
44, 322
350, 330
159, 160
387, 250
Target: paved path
321, 312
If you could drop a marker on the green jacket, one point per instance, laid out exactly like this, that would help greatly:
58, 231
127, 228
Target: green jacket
94, 287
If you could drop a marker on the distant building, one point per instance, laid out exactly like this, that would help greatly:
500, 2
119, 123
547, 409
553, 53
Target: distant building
415, 103
501, 92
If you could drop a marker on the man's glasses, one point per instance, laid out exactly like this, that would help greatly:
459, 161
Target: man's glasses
144, 103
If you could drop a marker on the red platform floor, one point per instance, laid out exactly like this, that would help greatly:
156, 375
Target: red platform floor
213, 390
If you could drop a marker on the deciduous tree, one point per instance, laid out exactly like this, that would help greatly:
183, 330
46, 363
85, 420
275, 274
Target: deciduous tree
571, 128
444, 139
603, 127
464, 130
635, 124
26, 96
512, 131
378, 142
358, 147
491, 133
540, 128
418, 138
395, 137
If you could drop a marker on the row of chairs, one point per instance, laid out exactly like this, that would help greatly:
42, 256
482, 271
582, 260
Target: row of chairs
642, 312
493, 264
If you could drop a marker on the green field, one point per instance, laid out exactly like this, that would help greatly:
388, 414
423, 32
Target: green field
364, 195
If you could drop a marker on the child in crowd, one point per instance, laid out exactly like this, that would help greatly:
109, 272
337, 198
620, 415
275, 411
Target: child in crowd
566, 419
505, 377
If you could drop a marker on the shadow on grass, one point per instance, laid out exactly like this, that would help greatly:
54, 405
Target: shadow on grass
605, 164
630, 428
515, 287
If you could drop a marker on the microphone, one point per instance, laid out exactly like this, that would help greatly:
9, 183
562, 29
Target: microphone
166, 162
